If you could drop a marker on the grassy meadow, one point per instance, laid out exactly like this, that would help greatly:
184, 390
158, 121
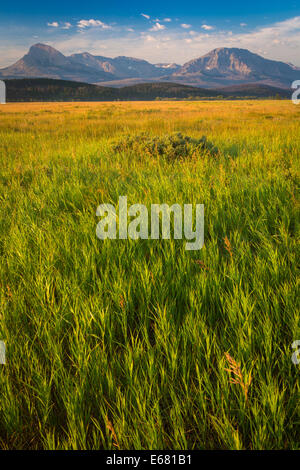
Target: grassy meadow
123, 344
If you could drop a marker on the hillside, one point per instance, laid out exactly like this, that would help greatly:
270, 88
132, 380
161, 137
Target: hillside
45, 89
254, 90
150, 91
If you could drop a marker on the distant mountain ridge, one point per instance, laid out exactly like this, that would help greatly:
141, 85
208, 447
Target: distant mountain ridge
123, 67
220, 67
232, 65
45, 61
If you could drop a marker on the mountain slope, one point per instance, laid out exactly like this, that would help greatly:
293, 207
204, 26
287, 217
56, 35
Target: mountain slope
231, 65
45, 61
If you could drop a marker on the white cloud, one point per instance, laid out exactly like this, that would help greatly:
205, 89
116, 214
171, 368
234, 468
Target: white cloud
157, 27
156, 48
167, 20
185, 26
92, 23
131, 30
67, 26
53, 25
243, 24
207, 27
145, 16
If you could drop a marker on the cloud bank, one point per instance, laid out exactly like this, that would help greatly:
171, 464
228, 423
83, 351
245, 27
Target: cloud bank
169, 42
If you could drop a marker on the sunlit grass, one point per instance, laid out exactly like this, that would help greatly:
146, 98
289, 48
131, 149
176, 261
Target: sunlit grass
122, 344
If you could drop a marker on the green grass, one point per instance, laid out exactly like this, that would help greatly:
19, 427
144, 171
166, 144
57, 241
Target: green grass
120, 344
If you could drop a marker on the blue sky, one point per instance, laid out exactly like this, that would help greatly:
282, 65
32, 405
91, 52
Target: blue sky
159, 31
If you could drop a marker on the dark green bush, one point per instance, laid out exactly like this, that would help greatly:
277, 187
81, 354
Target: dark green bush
170, 146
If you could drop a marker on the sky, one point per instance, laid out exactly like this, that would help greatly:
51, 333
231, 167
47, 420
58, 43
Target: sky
158, 31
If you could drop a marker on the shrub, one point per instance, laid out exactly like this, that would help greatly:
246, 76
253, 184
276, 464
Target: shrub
171, 146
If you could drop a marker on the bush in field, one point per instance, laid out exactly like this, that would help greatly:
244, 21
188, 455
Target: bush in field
170, 146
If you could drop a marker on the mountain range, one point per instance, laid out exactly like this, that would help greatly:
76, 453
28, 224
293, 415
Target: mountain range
219, 68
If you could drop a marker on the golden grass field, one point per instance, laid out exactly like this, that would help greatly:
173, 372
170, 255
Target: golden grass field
123, 344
